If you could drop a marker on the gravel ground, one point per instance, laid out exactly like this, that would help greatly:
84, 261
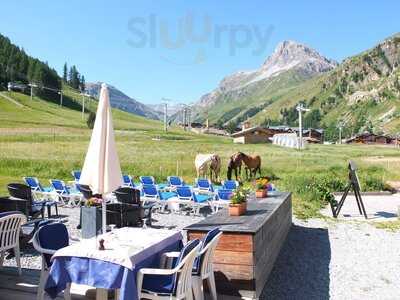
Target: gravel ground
320, 260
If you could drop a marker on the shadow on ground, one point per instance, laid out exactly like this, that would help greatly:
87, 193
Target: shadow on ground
301, 270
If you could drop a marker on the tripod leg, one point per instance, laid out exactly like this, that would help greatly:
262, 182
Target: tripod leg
356, 194
362, 205
340, 204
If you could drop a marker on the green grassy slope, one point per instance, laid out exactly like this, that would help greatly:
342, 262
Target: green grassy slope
373, 74
239, 105
40, 113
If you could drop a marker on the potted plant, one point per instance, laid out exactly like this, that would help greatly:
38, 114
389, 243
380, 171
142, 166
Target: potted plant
238, 204
261, 185
91, 220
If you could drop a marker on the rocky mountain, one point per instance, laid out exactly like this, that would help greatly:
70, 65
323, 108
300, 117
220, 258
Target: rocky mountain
159, 108
121, 101
289, 65
361, 94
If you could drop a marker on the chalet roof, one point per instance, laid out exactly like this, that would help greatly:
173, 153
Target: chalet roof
366, 135
249, 130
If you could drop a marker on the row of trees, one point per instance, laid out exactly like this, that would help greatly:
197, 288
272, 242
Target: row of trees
17, 66
72, 77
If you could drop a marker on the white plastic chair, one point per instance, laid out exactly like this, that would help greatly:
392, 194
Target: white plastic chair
10, 228
203, 266
182, 277
206, 269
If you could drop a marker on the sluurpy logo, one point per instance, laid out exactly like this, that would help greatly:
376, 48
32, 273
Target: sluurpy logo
198, 35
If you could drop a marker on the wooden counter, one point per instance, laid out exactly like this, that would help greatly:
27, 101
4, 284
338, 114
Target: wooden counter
249, 245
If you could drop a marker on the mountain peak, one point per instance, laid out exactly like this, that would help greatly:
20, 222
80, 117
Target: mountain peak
290, 54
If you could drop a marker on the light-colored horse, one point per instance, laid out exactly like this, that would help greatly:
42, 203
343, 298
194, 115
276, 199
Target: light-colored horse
208, 163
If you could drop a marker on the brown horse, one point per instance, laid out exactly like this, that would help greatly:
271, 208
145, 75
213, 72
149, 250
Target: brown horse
235, 164
253, 164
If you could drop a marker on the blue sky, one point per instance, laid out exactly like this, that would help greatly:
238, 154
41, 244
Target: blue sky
134, 46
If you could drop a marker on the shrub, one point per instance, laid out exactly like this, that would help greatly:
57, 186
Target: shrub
90, 120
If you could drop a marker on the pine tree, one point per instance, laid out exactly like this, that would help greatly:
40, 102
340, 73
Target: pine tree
83, 83
65, 73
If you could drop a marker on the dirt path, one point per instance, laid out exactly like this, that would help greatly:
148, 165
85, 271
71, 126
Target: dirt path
10, 99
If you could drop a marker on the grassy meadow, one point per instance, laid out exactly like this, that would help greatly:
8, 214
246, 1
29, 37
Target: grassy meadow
43, 140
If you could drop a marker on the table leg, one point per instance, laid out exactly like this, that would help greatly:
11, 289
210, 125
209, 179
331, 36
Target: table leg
101, 294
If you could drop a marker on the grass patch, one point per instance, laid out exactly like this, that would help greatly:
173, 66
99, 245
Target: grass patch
392, 226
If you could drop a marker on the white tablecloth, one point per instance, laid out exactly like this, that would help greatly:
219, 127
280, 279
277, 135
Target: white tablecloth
122, 246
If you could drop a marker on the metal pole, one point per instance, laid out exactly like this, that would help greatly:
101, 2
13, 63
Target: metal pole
190, 122
61, 98
165, 116
340, 134
31, 92
83, 106
300, 130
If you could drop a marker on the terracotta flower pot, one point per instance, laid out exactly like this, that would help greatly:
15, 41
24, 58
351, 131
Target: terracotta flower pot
261, 193
237, 209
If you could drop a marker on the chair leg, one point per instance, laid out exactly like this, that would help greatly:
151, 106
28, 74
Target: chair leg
18, 258
198, 288
211, 284
48, 211
2, 255
42, 282
55, 205
67, 292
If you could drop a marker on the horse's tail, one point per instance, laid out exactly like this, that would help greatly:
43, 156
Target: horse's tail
230, 167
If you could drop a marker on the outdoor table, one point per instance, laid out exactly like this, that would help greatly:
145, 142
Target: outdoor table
249, 245
127, 250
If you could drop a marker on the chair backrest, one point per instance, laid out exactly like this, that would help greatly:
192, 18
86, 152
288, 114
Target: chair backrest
230, 184
175, 181
182, 281
150, 190
127, 181
20, 191
184, 193
147, 180
10, 226
204, 261
33, 182
51, 237
76, 174
85, 190
204, 184
59, 186
128, 195
224, 194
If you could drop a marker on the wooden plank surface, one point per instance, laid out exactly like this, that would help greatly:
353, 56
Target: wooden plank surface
229, 241
258, 213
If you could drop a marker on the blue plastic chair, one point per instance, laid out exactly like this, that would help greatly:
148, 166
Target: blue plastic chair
35, 185
128, 181
47, 240
152, 194
195, 201
174, 283
222, 198
64, 193
230, 185
149, 180
204, 185
77, 175
175, 181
